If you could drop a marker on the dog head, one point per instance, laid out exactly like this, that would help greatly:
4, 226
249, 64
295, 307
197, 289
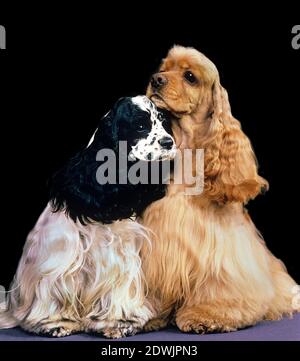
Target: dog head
188, 86
76, 188
138, 122
182, 79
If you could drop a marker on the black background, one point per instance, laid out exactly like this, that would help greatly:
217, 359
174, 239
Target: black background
59, 75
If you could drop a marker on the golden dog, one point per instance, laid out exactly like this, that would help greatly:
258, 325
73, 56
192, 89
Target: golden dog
209, 269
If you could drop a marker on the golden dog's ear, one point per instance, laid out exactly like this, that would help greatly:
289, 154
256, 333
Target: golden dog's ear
231, 171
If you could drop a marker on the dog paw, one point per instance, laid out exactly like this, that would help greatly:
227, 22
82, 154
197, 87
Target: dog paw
112, 328
122, 329
202, 326
155, 324
192, 326
206, 319
56, 332
53, 328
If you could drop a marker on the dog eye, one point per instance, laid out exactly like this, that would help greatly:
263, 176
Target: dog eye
190, 77
140, 127
161, 117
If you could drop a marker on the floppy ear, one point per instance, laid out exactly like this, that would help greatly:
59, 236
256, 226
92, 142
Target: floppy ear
231, 171
74, 188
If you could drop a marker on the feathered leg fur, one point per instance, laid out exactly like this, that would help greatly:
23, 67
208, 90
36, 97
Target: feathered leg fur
73, 277
212, 267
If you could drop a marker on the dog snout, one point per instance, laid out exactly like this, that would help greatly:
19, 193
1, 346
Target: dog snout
166, 143
158, 81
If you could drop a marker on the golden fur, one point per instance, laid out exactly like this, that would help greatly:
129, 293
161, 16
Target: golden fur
209, 269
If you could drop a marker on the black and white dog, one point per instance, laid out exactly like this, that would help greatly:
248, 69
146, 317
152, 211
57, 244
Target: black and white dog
80, 269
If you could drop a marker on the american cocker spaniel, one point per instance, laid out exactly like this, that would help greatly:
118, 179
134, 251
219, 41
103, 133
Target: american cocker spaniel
80, 269
209, 269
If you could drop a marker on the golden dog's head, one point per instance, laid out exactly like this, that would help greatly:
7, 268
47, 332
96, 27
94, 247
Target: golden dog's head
188, 86
181, 83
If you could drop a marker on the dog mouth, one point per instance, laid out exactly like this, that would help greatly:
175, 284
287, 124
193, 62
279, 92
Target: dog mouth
161, 103
148, 156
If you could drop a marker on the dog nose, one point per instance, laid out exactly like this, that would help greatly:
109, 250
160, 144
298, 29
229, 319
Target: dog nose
166, 143
158, 80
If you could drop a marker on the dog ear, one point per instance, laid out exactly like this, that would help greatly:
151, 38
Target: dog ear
231, 166
73, 188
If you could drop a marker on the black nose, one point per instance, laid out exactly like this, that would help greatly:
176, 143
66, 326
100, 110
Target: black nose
157, 81
166, 143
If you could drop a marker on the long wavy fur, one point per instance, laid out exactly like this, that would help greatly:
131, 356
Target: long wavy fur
210, 269
80, 268
86, 274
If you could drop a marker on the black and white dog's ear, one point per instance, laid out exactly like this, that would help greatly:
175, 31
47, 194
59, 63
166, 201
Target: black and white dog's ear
74, 187
75, 190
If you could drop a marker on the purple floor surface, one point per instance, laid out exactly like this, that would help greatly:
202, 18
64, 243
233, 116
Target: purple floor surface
283, 330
